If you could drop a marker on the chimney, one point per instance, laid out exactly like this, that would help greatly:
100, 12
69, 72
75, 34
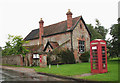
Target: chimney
69, 19
41, 30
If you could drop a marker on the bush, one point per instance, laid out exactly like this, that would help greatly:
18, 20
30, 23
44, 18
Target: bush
67, 57
61, 56
85, 56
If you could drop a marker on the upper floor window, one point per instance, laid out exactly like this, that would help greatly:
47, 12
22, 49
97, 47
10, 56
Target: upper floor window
81, 46
81, 26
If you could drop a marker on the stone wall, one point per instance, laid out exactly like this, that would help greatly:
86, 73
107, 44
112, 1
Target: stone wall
80, 33
59, 38
32, 42
12, 60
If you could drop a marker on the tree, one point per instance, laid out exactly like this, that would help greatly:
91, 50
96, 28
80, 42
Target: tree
100, 29
94, 33
115, 41
14, 46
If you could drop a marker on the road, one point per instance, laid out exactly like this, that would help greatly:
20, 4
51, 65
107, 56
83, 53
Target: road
10, 75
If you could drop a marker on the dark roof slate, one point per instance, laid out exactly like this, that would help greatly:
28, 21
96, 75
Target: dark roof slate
53, 29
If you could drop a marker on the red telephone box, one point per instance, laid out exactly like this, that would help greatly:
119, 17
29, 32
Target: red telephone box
98, 56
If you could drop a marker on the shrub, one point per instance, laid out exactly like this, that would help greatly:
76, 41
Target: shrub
85, 56
61, 56
67, 56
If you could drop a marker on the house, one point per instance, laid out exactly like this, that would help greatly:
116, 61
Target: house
71, 33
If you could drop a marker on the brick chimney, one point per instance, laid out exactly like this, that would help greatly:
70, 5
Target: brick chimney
69, 19
41, 30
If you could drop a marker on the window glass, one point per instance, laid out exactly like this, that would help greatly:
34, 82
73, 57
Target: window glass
81, 46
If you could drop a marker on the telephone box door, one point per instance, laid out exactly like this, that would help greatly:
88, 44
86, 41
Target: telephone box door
104, 58
94, 58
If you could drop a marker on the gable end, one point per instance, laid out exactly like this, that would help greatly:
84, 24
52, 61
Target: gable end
83, 23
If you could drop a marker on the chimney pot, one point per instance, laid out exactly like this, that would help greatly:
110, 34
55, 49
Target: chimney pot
69, 12
41, 21
69, 19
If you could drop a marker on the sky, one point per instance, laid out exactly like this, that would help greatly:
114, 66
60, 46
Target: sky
119, 9
19, 17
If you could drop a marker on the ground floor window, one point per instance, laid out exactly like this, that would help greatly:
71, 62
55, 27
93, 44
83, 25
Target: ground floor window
81, 46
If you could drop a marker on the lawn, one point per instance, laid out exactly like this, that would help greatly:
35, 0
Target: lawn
81, 68
112, 74
67, 69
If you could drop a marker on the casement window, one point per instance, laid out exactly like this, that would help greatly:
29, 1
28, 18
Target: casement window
81, 46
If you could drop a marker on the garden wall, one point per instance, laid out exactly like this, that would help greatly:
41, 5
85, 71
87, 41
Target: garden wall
12, 60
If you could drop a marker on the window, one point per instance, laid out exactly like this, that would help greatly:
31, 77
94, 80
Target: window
81, 26
81, 46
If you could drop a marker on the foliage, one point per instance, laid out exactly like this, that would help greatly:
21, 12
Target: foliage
113, 44
14, 46
85, 56
60, 56
67, 56
94, 33
100, 29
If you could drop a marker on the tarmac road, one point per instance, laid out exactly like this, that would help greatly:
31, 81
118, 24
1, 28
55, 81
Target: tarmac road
10, 75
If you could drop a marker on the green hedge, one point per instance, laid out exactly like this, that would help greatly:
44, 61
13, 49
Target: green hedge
85, 56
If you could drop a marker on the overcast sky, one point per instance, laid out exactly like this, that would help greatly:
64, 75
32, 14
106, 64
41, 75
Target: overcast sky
19, 17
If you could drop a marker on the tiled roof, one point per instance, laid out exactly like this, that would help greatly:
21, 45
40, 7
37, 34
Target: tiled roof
52, 44
34, 34
52, 29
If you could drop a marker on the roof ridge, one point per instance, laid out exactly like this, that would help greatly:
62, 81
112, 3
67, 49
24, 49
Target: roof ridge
35, 29
59, 22
56, 23
76, 22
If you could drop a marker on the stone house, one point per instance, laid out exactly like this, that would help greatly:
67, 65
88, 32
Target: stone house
73, 33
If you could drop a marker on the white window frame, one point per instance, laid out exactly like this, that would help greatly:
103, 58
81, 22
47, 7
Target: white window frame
81, 46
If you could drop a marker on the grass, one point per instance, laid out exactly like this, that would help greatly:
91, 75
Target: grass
67, 69
11, 65
111, 75
114, 59
81, 68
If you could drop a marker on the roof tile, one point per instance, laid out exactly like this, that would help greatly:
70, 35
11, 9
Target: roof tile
51, 29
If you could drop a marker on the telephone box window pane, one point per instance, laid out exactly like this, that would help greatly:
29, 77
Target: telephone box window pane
103, 56
95, 57
104, 66
81, 46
